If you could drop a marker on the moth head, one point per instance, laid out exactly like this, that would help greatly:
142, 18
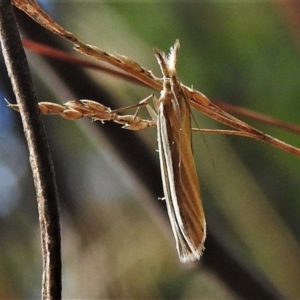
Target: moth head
168, 62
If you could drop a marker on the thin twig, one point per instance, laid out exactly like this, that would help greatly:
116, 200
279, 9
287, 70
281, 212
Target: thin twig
40, 160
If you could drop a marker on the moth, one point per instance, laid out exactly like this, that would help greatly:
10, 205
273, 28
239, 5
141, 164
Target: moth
178, 170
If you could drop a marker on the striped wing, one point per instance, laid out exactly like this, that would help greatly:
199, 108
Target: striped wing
180, 181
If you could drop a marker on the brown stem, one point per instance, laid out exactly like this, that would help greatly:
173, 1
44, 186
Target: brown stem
40, 160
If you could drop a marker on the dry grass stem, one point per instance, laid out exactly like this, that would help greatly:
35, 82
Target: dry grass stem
74, 110
197, 99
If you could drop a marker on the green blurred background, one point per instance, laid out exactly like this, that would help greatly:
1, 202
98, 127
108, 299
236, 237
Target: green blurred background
115, 243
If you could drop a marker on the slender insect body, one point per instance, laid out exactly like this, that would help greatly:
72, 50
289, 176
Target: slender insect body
179, 176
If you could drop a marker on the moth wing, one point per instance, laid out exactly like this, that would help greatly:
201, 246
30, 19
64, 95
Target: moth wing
180, 181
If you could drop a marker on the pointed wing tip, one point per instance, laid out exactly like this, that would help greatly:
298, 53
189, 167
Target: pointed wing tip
186, 257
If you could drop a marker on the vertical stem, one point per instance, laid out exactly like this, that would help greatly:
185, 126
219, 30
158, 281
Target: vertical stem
40, 159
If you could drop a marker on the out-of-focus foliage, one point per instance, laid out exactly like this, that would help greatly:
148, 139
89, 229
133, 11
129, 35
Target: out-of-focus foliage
239, 52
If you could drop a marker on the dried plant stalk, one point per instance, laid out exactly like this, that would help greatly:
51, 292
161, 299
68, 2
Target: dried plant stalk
197, 99
74, 110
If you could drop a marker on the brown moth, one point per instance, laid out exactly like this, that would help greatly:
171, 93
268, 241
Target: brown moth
179, 176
